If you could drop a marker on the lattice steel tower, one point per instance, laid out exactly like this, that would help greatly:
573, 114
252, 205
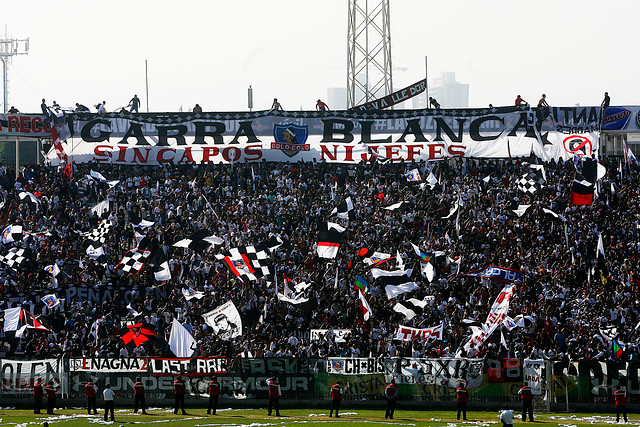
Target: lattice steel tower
369, 71
9, 47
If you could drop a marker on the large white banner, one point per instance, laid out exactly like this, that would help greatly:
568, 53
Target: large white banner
405, 333
533, 374
442, 372
225, 321
342, 136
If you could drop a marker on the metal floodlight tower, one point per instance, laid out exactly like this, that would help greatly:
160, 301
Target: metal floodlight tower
369, 70
10, 47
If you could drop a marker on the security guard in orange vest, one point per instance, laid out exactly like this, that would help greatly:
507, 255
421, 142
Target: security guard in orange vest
527, 401
138, 396
336, 398
274, 395
214, 392
178, 394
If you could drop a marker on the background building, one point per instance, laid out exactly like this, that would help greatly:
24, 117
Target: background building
448, 92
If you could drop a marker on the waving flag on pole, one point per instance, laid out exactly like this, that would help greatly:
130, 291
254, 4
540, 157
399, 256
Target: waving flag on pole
361, 285
364, 306
50, 300
329, 240
345, 210
19, 320
413, 175
12, 233
424, 257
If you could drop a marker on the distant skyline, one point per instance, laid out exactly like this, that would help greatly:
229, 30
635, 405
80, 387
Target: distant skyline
210, 52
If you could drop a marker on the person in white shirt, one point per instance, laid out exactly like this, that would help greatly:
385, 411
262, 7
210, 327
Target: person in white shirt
506, 416
108, 396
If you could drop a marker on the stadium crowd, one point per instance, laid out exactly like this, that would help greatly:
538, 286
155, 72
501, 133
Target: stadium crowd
566, 302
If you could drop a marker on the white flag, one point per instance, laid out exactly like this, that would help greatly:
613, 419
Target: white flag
393, 291
181, 342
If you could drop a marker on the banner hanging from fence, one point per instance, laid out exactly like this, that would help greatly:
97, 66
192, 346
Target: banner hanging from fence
441, 372
341, 136
18, 376
533, 375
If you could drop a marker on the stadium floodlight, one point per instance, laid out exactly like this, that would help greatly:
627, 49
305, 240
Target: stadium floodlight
10, 47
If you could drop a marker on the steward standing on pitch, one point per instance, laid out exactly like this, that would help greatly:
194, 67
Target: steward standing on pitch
461, 398
621, 404
37, 396
178, 394
391, 395
90, 390
138, 396
51, 397
527, 401
274, 395
336, 398
214, 392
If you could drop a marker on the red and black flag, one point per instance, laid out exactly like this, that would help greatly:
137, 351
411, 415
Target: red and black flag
582, 191
138, 334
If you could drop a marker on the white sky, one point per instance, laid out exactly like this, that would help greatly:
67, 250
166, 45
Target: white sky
209, 52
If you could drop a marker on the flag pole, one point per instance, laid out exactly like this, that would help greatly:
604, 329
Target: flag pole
146, 81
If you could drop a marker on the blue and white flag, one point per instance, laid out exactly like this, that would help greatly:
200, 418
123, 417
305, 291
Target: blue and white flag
192, 293
12, 233
413, 175
132, 311
499, 273
50, 300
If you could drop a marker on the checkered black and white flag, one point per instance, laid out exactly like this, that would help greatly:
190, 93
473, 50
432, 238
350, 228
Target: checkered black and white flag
248, 262
529, 183
133, 260
13, 257
99, 234
260, 259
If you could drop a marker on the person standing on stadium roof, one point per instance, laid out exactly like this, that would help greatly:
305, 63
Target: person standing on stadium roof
276, 106
134, 103
321, 106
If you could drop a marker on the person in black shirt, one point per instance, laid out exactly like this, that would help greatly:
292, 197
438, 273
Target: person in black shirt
605, 102
82, 108
134, 103
13, 110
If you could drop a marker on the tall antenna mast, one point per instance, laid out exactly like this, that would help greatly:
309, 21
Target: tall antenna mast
10, 47
369, 70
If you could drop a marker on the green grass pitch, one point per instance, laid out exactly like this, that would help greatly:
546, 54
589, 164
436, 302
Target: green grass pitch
291, 417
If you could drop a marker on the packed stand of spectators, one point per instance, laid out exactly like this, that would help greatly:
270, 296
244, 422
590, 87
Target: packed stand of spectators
244, 204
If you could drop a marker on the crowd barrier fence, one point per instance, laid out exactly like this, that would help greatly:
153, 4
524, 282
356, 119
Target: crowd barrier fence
432, 381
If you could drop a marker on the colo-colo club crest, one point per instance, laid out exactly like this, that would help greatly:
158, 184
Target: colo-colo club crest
290, 138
